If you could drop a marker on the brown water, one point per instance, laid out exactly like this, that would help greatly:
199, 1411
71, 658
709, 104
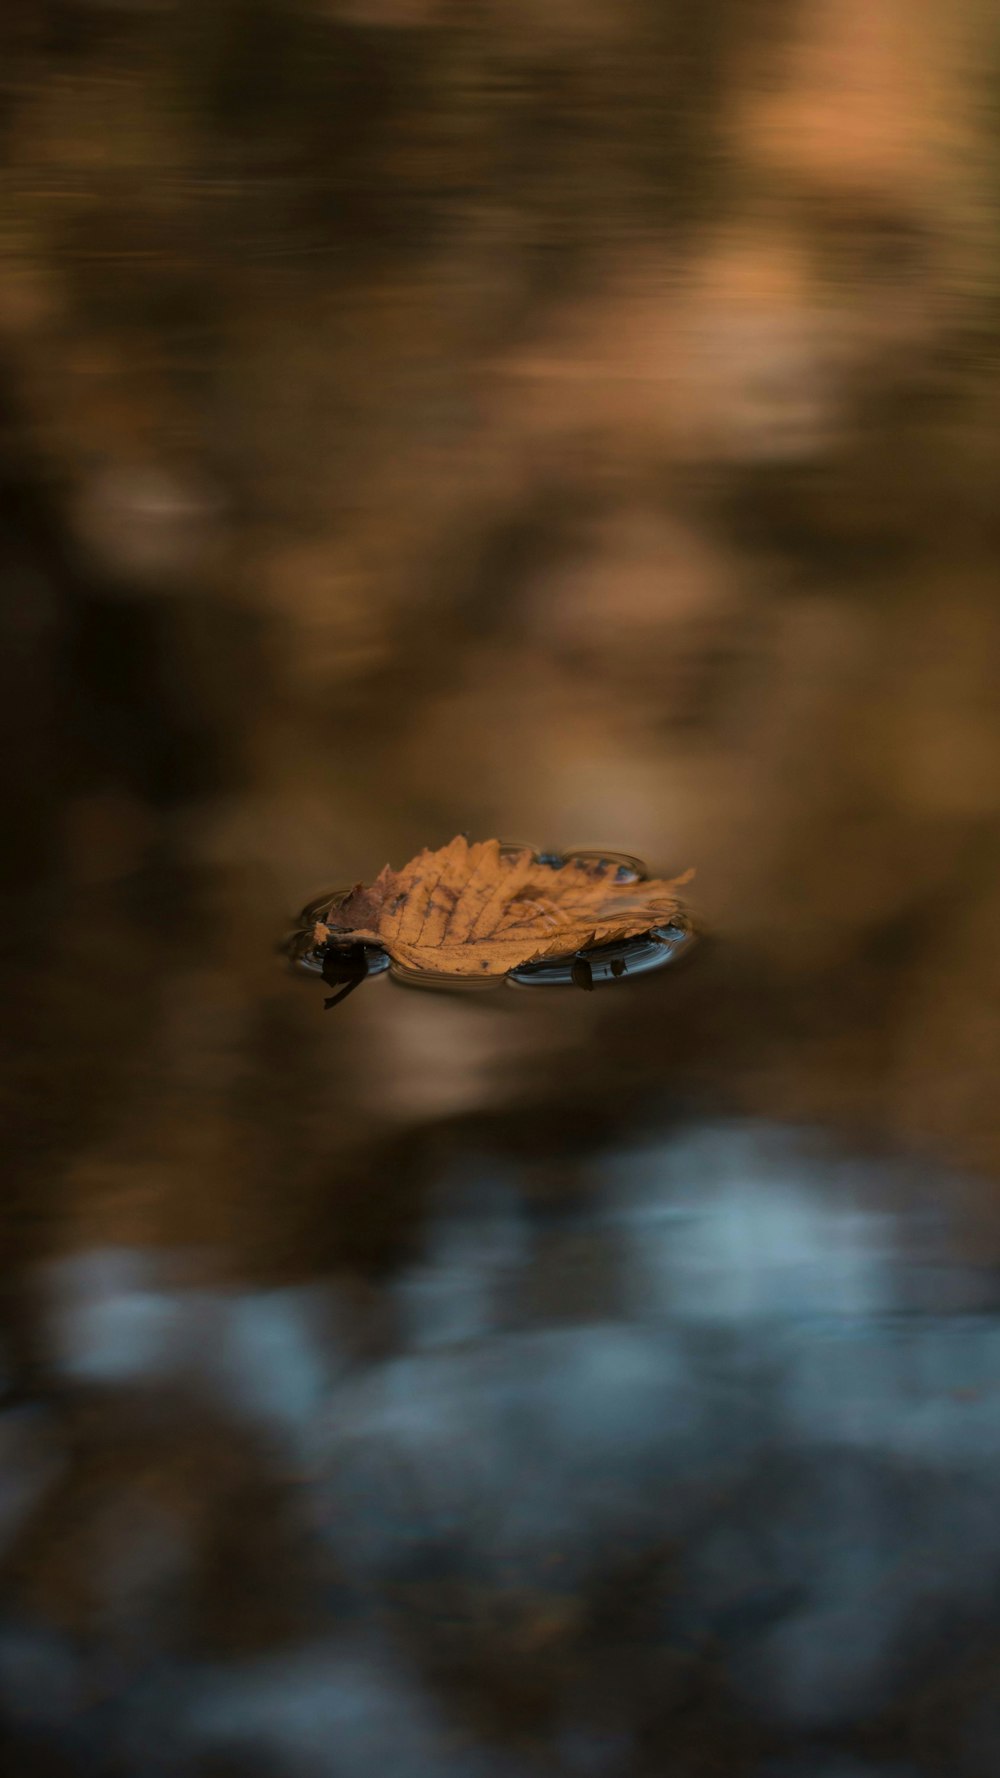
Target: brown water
574, 424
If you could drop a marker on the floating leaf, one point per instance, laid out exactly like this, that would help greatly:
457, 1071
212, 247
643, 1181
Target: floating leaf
481, 910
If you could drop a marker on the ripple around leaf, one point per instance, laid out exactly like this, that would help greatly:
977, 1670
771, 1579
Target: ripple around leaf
640, 955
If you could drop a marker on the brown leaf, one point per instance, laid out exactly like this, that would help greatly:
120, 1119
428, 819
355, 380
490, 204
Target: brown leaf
481, 910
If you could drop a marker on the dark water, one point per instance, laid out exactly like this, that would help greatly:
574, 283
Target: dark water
576, 424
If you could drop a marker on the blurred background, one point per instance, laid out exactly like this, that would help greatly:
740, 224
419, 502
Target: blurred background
576, 423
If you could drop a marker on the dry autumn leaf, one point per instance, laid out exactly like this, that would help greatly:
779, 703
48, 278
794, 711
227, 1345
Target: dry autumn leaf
483, 909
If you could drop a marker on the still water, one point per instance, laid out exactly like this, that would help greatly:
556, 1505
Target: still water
575, 424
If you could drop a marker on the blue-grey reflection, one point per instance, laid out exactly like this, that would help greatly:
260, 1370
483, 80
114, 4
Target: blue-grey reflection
742, 1368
